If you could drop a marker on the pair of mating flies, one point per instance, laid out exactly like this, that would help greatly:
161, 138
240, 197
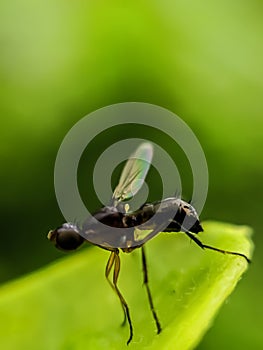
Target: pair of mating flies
114, 227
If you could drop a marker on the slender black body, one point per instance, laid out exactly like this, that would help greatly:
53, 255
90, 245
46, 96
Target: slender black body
166, 215
150, 216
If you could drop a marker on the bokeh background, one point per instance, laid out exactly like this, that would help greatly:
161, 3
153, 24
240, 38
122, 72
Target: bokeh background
201, 59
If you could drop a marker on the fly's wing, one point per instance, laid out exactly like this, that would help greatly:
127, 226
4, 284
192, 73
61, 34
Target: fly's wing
134, 173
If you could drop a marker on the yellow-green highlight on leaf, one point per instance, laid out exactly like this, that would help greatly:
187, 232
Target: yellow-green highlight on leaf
70, 306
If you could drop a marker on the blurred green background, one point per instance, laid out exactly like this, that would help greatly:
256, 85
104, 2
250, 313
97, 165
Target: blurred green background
200, 59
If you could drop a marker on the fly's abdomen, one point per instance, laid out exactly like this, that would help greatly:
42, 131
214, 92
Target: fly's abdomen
173, 212
185, 218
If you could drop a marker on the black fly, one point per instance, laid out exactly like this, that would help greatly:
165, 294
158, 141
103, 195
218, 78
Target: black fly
114, 227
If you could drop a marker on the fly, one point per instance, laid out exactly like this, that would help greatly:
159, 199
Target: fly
114, 227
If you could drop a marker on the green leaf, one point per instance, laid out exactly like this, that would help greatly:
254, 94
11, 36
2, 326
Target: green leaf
69, 304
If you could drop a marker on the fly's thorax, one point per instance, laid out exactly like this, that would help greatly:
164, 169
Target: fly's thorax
108, 229
140, 216
109, 216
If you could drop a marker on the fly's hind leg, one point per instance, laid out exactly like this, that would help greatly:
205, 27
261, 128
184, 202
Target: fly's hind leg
204, 246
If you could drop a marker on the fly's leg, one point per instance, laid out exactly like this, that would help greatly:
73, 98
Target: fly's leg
116, 271
114, 260
146, 282
204, 246
109, 266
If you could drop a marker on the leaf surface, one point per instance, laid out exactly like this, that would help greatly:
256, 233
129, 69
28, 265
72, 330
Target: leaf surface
69, 304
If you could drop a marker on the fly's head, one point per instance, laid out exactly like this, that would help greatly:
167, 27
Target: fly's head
66, 237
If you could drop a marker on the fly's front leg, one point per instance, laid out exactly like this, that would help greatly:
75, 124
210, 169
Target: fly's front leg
146, 282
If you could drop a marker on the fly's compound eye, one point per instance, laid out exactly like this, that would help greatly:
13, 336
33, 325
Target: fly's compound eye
66, 238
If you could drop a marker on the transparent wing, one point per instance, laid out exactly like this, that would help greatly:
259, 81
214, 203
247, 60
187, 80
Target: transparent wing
134, 173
